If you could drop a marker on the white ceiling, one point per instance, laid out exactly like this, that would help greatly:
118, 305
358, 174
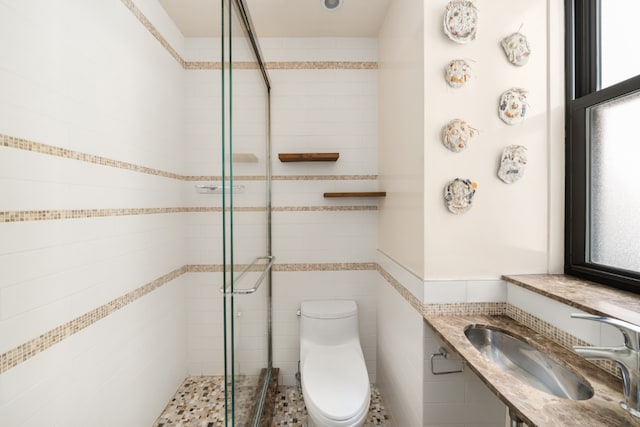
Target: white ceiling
283, 18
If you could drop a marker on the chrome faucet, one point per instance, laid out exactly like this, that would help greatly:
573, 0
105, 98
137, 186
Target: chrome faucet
626, 356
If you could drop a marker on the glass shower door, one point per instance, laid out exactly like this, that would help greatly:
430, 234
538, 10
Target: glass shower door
246, 219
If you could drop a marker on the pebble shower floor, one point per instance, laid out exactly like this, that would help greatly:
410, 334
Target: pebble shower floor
199, 402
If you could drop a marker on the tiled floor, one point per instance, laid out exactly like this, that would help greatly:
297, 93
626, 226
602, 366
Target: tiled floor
199, 402
290, 410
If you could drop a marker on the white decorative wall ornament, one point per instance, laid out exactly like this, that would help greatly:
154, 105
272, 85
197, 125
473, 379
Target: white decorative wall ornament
458, 195
457, 134
513, 106
512, 163
460, 21
516, 47
457, 73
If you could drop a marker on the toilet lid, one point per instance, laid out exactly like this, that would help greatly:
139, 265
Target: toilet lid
335, 381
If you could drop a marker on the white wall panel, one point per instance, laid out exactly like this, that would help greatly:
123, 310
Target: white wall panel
399, 356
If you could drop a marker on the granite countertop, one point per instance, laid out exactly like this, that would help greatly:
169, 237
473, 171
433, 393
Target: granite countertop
582, 294
534, 407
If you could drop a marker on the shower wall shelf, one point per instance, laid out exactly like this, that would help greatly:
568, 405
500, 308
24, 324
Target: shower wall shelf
357, 194
217, 188
308, 157
244, 158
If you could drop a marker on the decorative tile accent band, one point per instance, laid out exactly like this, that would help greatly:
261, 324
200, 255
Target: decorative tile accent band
324, 177
50, 150
404, 292
14, 357
465, 308
23, 352
239, 65
351, 266
322, 65
52, 215
323, 208
153, 30
49, 215
285, 65
37, 147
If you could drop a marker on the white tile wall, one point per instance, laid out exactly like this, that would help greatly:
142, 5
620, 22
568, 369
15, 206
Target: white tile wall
61, 88
318, 237
459, 399
319, 49
399, 356
559, 315
457, 291
119, 371
89, 77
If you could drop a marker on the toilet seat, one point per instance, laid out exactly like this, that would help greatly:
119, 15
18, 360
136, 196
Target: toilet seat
335, 385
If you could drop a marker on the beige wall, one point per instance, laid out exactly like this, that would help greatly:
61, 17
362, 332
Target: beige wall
401, 111
511, 228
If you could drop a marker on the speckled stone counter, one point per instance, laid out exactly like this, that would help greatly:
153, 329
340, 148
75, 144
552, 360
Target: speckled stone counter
535, 407
582, 294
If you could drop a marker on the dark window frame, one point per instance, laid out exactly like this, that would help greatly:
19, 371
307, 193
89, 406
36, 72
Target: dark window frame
582, 62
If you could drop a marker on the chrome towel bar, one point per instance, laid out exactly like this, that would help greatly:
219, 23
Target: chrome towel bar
255, 287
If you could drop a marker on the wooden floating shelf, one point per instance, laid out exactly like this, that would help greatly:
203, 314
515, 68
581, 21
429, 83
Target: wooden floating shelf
358, 194
308, 157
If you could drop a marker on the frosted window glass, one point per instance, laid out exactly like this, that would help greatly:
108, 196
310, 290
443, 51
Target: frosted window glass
614, 183
618, 38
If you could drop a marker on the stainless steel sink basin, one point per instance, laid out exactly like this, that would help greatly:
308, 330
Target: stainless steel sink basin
512, 354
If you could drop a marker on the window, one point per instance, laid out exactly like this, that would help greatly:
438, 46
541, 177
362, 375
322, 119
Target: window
603, 143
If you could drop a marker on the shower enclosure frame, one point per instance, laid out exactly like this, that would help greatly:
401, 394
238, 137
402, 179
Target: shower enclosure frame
242, 11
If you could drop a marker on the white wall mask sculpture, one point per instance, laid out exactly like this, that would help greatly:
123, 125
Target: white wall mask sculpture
460, 21
457, 73
458, 195
512, 163
513, 106
457, 134
516, 47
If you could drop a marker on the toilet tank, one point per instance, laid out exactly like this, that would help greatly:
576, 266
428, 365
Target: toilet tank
328, 322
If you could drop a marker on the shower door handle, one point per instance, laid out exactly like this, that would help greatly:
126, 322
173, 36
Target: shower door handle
246, 291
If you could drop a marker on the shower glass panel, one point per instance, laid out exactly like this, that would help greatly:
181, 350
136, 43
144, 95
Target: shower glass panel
246, 219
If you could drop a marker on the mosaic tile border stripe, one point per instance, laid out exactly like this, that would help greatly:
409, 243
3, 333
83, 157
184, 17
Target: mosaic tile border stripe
350, 266
153, 30
404, 292
50, 150
14, 357
51, 215
241, 65
65, 153
280, 268
284, 65
55, 215
465, 308
29, 349
322, 65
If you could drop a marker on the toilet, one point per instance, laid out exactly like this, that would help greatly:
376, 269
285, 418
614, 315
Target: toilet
333, 375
